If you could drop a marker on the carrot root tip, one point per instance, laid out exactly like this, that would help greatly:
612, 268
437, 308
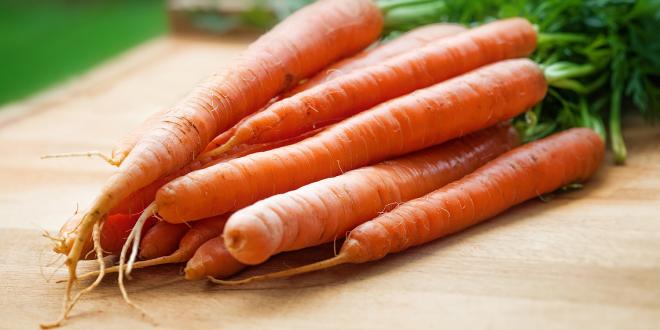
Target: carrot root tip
110, 160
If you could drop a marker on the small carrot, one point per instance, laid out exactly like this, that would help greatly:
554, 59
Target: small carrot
521, 174
126, 143
212, 259
362, 89
325, 210
427, 117
162, 239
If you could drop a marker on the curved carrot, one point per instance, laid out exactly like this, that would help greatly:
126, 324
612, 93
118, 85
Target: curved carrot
328, 29
410, 41
325, 210
162, 239
362, 89
526, 172
128, 141
424, 118
212, 259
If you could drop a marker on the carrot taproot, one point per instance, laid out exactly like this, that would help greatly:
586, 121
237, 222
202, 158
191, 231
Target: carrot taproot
162, 239
362, 89
409, 41
199, 233
521, 174
124, 146
212, 259
426, 117
325, 210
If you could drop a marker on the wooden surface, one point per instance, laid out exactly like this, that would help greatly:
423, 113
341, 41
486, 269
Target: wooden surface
587, 259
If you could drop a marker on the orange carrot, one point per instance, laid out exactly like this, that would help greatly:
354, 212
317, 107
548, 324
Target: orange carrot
362, 89
526, 172
325, 210
162, 239
137, 201
126, 143
327, 29
424, 118
212, 259
409, 41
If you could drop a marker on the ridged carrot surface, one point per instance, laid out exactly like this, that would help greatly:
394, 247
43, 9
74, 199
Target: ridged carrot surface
426, 117
521, 174
324, 211
362, 89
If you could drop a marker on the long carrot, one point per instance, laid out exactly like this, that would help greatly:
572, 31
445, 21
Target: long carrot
362, 89
410, 41
526, 172
212, 259
325, 210
140, 199
277, 60
424, 118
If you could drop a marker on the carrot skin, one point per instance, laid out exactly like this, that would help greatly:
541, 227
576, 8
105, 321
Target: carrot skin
521, 174
212, 259
427, 117
325, 210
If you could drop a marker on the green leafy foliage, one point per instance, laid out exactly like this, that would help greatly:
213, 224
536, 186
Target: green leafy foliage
599, 56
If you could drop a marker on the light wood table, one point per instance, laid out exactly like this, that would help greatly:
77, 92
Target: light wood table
587, 259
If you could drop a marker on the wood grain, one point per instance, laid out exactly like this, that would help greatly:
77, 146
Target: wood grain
586, 259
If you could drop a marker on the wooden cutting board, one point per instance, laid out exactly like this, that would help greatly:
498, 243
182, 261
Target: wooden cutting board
586, 259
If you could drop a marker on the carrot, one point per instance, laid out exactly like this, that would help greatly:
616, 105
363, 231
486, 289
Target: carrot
327, 29
424, 118
140, 199
162, 239
212, 259
200, 232
325, 210
409, 41
521, 174
362, 89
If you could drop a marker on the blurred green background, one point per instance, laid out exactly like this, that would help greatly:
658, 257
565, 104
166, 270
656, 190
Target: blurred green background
43, 42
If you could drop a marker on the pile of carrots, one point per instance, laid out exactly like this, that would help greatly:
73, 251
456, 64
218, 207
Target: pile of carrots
315, 133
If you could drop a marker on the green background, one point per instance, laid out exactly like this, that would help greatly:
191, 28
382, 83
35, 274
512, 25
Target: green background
45, 42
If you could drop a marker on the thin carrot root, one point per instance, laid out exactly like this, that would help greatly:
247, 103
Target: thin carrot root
219, 151
94, 153
133, 238
323, 264
170, 259
70, 303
